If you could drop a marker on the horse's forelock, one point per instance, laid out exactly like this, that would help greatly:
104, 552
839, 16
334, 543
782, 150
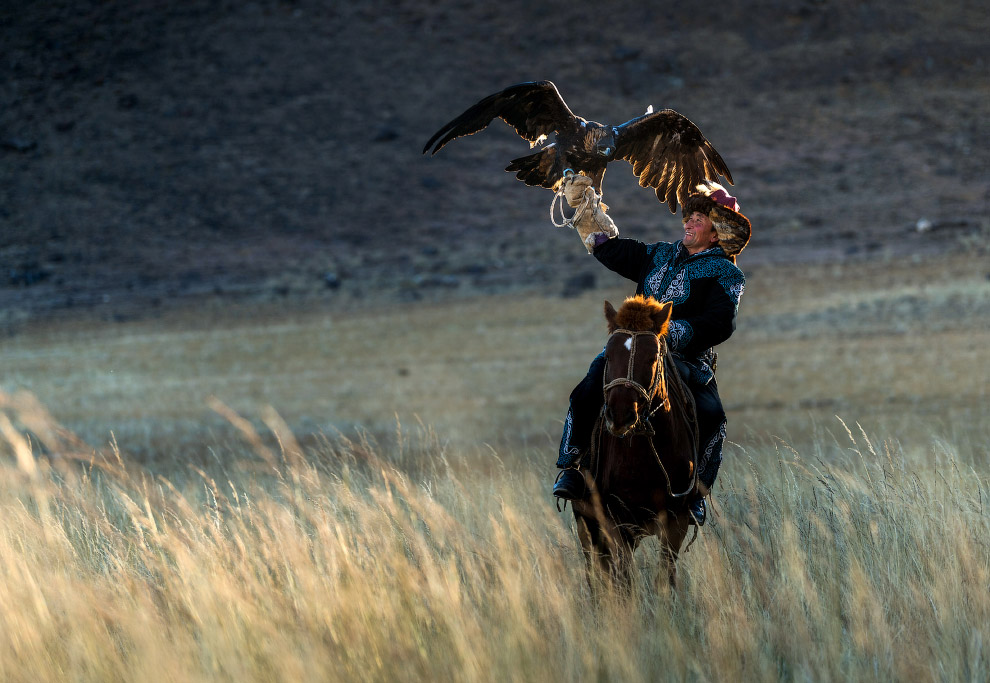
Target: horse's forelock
639, 314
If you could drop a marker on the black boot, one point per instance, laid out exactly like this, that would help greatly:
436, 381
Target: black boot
697, 512
570, 485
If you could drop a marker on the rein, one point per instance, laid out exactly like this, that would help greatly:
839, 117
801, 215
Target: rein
659, 385
690, 417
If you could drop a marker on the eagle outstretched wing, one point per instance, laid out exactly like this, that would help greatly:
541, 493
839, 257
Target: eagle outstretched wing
534, 110
668, 153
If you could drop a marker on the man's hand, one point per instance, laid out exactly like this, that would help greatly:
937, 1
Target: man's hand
574, 189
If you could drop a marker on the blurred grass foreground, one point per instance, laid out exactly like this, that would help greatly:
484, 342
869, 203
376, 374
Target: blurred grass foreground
351, 559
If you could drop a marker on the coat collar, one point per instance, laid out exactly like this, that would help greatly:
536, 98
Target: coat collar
680, 253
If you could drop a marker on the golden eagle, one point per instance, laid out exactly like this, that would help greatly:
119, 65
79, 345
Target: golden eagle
667, 151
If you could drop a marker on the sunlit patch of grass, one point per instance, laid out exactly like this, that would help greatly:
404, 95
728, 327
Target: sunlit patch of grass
356, 559
900, 347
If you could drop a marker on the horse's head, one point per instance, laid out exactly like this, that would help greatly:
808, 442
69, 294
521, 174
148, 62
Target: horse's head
635, 386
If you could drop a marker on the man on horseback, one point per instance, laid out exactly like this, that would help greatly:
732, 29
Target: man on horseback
698, 275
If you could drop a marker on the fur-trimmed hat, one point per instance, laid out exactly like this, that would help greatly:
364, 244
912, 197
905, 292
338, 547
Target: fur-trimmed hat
733, 228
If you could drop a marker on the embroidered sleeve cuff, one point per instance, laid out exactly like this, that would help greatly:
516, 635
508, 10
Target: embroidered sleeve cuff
679, 333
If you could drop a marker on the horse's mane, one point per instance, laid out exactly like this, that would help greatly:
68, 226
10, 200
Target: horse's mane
641, 314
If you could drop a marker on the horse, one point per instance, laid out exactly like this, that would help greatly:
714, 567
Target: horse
642, 473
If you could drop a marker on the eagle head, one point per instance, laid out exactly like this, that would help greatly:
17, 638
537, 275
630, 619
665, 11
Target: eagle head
600, 141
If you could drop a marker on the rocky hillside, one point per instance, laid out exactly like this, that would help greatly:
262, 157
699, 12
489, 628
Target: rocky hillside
168, 154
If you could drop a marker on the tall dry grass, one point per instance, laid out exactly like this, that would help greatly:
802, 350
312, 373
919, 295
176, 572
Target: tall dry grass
347, 559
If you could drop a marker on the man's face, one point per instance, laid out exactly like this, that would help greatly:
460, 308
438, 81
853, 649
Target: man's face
699, 233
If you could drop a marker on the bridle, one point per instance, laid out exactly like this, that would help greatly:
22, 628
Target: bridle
658, 383
659, 389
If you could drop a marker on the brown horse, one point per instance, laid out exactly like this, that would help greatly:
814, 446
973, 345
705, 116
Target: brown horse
642, 473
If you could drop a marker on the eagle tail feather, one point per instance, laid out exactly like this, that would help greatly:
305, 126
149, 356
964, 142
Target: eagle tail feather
536, 169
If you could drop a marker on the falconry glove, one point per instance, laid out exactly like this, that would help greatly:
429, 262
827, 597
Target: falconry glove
574, 188
574, 191
590, 220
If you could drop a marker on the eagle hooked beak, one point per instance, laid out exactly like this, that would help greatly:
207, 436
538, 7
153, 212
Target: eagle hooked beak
606, 143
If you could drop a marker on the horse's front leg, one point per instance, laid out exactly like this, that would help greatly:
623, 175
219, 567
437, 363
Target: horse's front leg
624, 550
671, 530
608, 552
597, 551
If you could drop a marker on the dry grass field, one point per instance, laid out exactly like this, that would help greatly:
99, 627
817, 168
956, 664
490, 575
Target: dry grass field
364, 496
897, 346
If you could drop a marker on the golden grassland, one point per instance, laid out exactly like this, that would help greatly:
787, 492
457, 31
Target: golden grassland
352, 560
237, 525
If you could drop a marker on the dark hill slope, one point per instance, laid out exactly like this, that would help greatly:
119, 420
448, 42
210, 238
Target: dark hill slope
154, 156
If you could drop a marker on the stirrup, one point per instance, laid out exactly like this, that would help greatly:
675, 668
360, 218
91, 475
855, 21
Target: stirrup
569, 484
697, 512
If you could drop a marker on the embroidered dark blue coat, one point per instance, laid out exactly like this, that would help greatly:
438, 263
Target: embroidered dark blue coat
705, 289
